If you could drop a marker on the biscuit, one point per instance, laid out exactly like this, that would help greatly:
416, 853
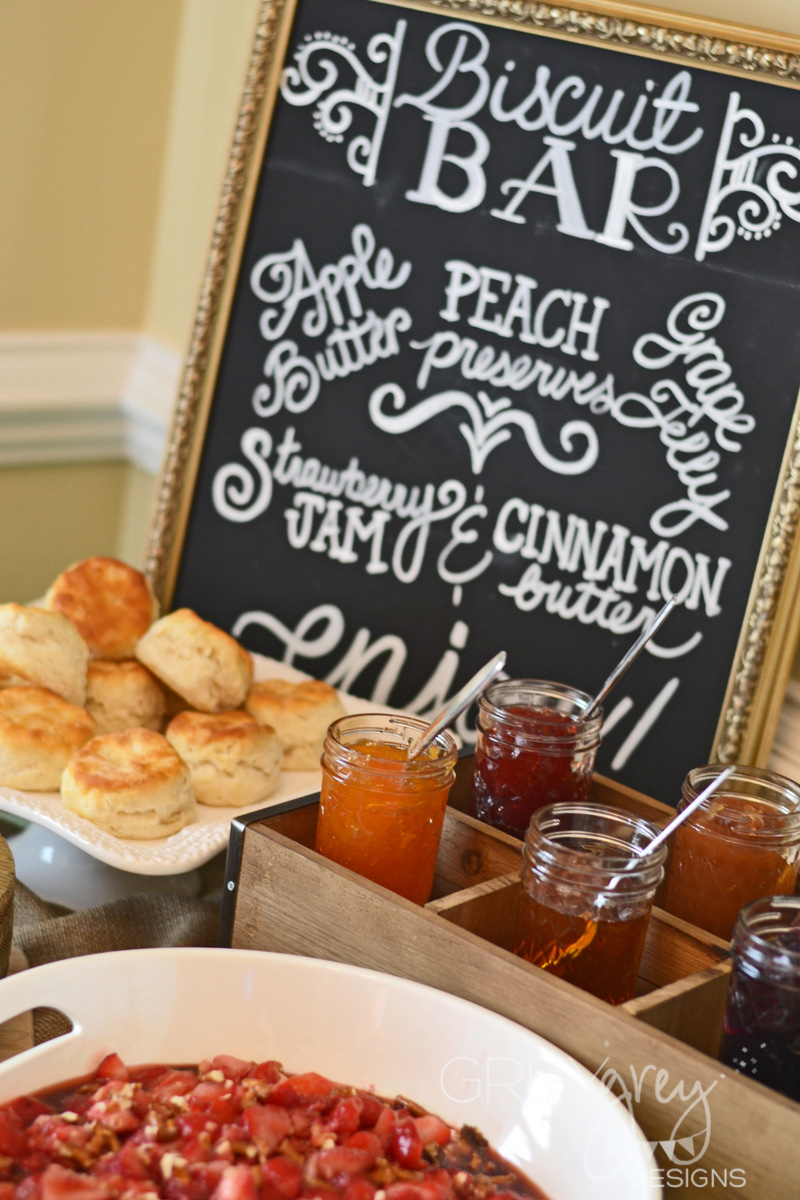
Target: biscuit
44, 649
39, 731
131, 784
234, 761
124, 695
202, 663
110, 604
300, 714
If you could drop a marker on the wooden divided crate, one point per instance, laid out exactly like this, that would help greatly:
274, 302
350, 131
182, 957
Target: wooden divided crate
722, 1132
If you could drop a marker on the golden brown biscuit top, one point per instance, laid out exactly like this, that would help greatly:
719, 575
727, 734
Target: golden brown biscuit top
118, 762
111, 604
281, 696
219, 637
204, 729
33, 620
44, 715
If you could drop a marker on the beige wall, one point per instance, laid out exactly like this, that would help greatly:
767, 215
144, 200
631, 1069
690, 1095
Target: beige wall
781, 15
115, 121
53, 516
85, 92
210, 70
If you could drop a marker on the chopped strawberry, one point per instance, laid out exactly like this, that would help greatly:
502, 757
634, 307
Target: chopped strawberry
365, 1139
206, 1177
358, 1188
194, 1122
136, 1187
119, 1117
203, 1094
371, 1109
406, 1143
173, 1083
220, 1100
268, 1125
444, 1180
432, 1129
301, 1120
268, 1071
384, 1126
112, 1067
231, 1068
181, 1187
148, 1075
345, 1116
285, 1176
32, 1162
181, 1134
309, 1088
29, 1188
59, 1183
51, 1133
126, 1162
237, 1183
28, 1108
408, 1190
340, 1160
13, 1139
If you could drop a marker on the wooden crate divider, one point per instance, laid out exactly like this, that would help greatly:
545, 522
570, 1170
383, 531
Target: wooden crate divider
658, 1049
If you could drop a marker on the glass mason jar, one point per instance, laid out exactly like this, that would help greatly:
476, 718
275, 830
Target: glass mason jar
532, 749
761, 1035
741, 844
587, 892
379, 814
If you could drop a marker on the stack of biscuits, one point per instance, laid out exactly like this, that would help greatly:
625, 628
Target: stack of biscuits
136, 719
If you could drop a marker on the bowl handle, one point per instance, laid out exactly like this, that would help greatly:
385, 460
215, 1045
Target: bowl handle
40, 987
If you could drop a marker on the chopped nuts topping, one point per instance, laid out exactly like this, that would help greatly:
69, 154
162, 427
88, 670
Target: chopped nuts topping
223, 1136
171, 1163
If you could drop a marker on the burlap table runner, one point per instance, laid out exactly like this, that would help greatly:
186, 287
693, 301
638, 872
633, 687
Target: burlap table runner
45, 933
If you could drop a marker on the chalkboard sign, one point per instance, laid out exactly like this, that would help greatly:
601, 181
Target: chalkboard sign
499, 347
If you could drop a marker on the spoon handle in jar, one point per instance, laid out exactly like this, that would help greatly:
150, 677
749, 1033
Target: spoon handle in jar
628, 658
462, 699
680, 817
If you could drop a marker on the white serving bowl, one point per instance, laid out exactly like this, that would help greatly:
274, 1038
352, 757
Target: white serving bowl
538, 1107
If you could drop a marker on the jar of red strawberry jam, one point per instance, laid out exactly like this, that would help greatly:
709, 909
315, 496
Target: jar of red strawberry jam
533, 748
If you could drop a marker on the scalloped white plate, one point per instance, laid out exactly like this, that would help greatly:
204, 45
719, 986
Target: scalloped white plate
191, 846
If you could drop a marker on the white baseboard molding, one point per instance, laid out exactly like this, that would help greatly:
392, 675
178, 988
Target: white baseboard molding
85, 397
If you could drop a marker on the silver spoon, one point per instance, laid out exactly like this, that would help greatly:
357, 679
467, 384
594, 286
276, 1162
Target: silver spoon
627, 659
677, 820
469, 692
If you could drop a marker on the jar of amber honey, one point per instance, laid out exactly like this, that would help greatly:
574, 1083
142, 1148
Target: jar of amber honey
587, 892
533, 748
739, 845
380, 814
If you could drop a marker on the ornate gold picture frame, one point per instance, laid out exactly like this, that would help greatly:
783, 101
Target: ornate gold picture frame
766, 634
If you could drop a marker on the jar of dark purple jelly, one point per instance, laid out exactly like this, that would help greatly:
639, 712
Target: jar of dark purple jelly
761, 1035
